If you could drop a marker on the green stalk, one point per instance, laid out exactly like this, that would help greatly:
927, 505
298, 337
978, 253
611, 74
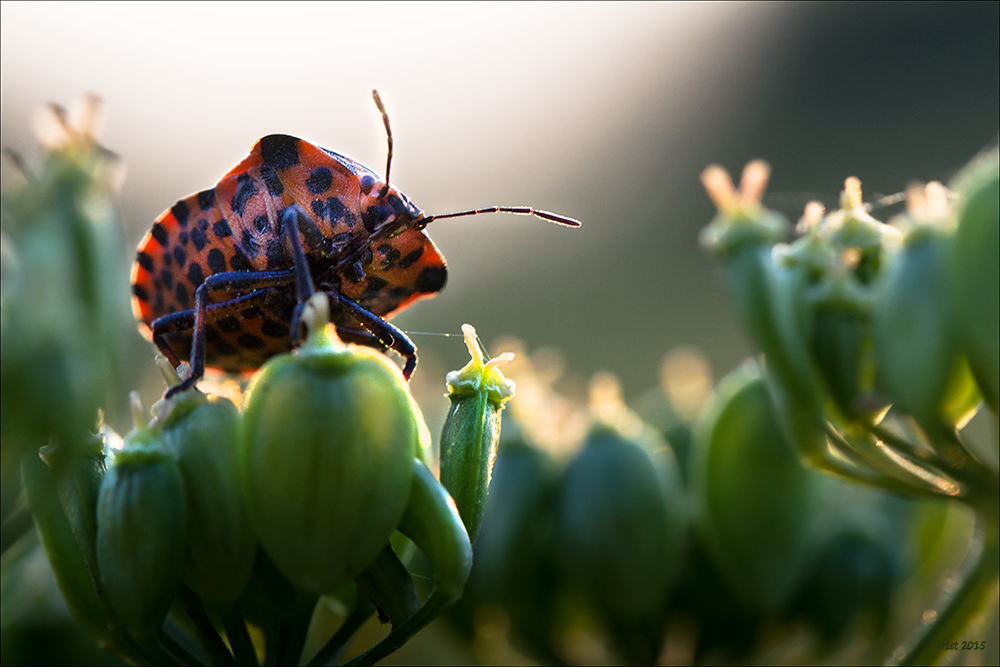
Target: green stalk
953, 615
207, 634
239, 637
362, 611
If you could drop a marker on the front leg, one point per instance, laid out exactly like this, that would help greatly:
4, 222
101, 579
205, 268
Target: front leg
390, 336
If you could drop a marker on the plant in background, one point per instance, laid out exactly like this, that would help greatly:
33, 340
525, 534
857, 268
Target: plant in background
879, 341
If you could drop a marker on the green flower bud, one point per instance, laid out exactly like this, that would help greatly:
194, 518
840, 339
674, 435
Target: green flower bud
754, 496
767, 286
784, 330
203, 433
142, 520
64, 303
976, 263
914, 331
327, 459
620, 524
471, 431
742, 222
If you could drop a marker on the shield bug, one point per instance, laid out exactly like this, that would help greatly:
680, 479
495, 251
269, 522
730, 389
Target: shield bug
223, 274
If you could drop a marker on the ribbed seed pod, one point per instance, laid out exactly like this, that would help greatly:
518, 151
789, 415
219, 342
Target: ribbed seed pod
141, 531
754, 496
326, 459
203, 432
976, 262
469, 439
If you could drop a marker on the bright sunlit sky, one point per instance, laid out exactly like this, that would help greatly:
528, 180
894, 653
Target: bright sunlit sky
604, 112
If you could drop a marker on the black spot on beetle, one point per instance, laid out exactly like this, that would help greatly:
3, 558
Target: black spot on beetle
181, 212
180, 256
431, 279
221, 229
145, 261
203, 224
182, 295
374, 287
245, 188
167, 259
274, 185
160, 234
279, 151
375, 216
397, 205
319, 180
338, 212
410, 258
261, 224
276, 256
158, 304
391, 256
251, 342
310, 232
206, 199
196, 276
239, 262
366, 183
273, 329
251, 313
212, 335
199, 239
400, 292
140, 292
216, 260
183, 238
229, 324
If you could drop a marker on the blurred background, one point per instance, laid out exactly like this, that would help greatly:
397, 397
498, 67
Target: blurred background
603, 112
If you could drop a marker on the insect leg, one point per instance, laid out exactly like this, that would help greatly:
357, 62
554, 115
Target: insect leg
387, 334
361, 337
291, 218
238, 282
183, 320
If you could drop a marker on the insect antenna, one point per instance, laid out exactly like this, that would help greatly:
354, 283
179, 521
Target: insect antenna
516, 210
388, 136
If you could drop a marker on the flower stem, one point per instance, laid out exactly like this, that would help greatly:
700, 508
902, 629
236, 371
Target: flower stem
953, 615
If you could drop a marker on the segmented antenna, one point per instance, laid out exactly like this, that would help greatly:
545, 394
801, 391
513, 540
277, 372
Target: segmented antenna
388, 136
516, 210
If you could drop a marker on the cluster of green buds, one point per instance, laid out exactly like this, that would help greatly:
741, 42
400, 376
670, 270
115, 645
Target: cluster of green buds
606, 528
879, 343
214, 516
684, 533
64, 300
